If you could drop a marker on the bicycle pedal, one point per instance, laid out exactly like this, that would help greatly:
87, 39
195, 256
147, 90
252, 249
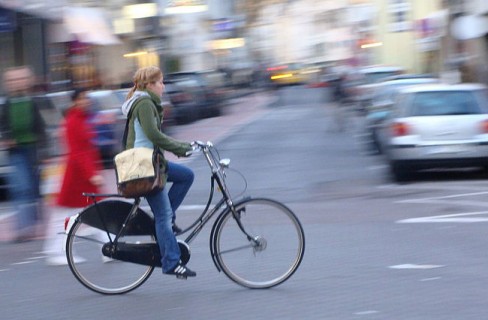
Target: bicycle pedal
182, 277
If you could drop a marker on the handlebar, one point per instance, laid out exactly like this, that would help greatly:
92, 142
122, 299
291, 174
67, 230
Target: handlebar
198, 146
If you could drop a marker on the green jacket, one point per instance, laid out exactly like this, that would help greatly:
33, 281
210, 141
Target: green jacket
148, 112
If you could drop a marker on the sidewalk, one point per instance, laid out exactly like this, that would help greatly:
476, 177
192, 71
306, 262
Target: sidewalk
237, 113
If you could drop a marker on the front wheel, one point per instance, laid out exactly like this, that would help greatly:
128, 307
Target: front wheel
271, 254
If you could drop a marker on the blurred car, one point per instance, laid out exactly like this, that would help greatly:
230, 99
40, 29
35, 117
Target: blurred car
382, 102
363, 82
201, 88
404, 76
184, 106
109, 123
288, 74
241, 74
438, 125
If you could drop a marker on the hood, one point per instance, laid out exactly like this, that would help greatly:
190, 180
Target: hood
128, 103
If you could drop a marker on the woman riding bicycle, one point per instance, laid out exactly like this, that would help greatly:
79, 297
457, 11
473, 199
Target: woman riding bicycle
144, 102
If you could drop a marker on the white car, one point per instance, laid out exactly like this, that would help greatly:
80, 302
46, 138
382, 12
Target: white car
438, 125
381, 103
365, 82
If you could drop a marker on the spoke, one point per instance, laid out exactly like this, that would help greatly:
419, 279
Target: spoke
89, 239
237, 249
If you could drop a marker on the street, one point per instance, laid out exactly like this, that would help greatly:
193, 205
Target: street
374, 249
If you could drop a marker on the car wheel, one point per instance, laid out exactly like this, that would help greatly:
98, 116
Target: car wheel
399, 172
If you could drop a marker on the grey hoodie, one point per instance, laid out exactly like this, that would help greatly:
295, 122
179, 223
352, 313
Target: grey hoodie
128, 103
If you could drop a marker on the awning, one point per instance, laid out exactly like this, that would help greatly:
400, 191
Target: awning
89, 25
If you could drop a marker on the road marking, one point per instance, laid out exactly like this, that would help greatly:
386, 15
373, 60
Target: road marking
415, 266
430, 279
1, 270
424, 200
457, 217
6, 215
182, 207
367, 312
192, 207
23, 262
39, 257
377, 167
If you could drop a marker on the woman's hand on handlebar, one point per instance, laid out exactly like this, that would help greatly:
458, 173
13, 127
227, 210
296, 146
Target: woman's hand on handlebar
196, 146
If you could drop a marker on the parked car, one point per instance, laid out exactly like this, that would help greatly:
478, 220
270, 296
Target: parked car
363, 82
109, 123
381, 104
199, 88
184, 105
288, 74
437, 125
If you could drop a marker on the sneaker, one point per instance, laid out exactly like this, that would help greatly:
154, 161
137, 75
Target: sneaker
181, 271
176, 229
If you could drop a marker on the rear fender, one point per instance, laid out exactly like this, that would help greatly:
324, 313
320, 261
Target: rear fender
110, 215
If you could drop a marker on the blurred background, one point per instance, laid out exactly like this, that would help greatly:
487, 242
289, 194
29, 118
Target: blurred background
101, 43
302, 95
214, 50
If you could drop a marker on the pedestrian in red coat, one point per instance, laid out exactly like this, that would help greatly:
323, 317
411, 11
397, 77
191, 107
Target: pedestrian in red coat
82, 174
83, 163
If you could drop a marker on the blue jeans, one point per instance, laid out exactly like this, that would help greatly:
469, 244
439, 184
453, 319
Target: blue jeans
168, 246
24, 186
181, 178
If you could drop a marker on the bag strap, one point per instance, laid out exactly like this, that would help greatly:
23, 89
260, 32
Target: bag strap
129, 115
126, 130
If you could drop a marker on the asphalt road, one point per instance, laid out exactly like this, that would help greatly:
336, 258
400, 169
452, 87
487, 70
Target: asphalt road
375, 249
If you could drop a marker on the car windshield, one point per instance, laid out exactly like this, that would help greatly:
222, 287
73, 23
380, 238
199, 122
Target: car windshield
104, 100
189, 79
372, 77
388, 92
445, 103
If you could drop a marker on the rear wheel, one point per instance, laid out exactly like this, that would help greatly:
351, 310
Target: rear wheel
98, 272
274, 251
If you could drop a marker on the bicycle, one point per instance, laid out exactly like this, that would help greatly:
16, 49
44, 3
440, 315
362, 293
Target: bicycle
256, 242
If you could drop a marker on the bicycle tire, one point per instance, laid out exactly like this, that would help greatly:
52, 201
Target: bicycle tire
87, 262
281, 243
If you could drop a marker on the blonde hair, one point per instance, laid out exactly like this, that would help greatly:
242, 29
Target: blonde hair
143, 77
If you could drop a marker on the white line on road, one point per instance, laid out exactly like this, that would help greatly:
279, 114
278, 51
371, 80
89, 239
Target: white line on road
6, 215
430, 279
192, 207
378, 167
182, 207
415, 266
422, 200
1, 270
367, 312
23, 262
457, 217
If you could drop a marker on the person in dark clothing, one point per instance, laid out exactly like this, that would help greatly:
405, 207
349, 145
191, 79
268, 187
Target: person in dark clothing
23, 131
